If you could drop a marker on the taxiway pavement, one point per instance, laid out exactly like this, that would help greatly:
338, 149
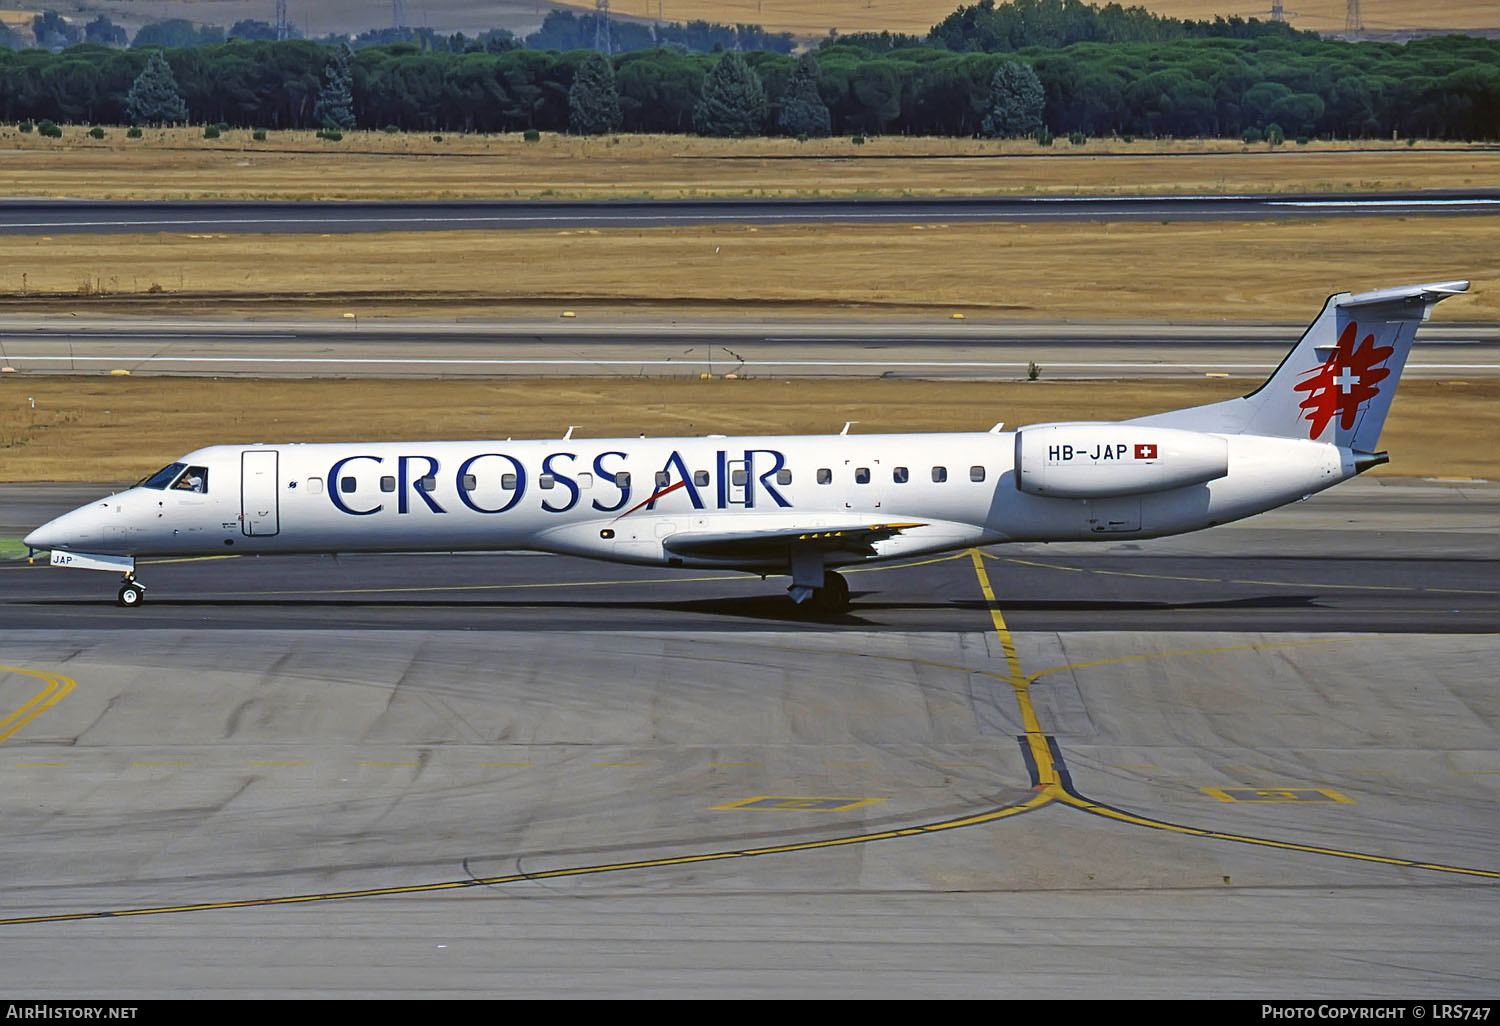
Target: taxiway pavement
897, 347
63, 216
1274, 780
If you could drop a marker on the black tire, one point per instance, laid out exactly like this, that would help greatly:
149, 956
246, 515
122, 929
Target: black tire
836, 592
131, 595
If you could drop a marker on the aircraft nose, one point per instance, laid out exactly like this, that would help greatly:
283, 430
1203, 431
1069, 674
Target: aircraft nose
78, 528
45, 537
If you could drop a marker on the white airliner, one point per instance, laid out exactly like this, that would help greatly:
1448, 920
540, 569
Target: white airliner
798, 505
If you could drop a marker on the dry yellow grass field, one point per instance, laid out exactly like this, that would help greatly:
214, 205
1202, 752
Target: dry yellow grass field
1194, 271
111, 429
807, 18
180, 164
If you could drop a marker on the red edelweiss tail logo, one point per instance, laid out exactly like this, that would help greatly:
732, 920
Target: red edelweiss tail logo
1348, 379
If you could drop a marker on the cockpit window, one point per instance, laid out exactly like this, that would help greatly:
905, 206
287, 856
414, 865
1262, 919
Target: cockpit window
162, 478
195, 480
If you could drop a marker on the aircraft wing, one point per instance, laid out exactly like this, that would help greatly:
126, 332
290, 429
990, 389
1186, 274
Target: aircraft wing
856, 539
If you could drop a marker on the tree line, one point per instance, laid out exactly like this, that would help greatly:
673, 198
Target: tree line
1191, 85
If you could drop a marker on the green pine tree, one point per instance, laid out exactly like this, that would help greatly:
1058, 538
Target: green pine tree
733, 101
153, 98
593, 101
803, 111
1016, 102
335, 106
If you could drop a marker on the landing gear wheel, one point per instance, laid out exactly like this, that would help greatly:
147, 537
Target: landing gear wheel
835, 592
131, 595
829, 600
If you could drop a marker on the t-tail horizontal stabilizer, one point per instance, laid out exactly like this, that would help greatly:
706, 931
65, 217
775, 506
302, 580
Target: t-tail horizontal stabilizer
1337, 383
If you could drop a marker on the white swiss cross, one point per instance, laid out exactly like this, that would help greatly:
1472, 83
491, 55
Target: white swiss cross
1346, 380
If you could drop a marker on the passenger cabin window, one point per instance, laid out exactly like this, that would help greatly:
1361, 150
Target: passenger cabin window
700, 478
939, 474
546, 481
347, 485
470, 482
662, 478
427, 484
195, 480
825, 476
585, 480
783, 476
388, 483
900, 475
622, 479
162, 478
976, 473
315, 486
508, 482
861, 475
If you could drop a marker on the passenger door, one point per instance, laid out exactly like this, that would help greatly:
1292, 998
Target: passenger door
259, 514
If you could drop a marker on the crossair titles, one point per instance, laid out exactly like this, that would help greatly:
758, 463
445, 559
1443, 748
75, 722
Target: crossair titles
560, 470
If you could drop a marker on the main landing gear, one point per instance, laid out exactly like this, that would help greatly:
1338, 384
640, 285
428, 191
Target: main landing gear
132, 593
830, 599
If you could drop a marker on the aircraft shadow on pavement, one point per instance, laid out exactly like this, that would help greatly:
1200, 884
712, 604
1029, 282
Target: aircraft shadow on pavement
768, 608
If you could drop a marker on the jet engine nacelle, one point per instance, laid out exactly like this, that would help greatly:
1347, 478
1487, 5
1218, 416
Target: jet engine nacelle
1091, 460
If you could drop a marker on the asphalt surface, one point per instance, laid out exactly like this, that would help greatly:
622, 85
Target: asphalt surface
1274, 780
1362, 557
888, 348
50, 217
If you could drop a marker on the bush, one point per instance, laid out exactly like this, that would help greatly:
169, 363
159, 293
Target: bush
210, 131
222, 126
1252, 135
858, 140
49, 129
26, 126
259, 135
390, 130
330, 134
1077, 138
1127, 138
96, 132
437, 138
1302, 140
1044, 137
133, 132
1274, 134
532, 135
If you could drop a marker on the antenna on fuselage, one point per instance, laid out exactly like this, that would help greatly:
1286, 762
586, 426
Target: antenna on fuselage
570, 432
847, 425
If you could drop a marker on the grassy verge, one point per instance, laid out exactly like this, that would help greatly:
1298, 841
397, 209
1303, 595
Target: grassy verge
1191, 270
180, 164
111, 429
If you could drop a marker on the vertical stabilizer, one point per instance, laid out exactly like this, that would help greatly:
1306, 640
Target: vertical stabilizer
1337, 383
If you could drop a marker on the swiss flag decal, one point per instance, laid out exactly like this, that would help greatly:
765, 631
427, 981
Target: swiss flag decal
1145, 452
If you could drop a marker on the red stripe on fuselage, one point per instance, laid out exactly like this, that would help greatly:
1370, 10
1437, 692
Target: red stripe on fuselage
665, 491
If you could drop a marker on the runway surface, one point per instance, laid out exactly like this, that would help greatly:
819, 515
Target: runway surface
44, 217
1274, 779
890, 348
